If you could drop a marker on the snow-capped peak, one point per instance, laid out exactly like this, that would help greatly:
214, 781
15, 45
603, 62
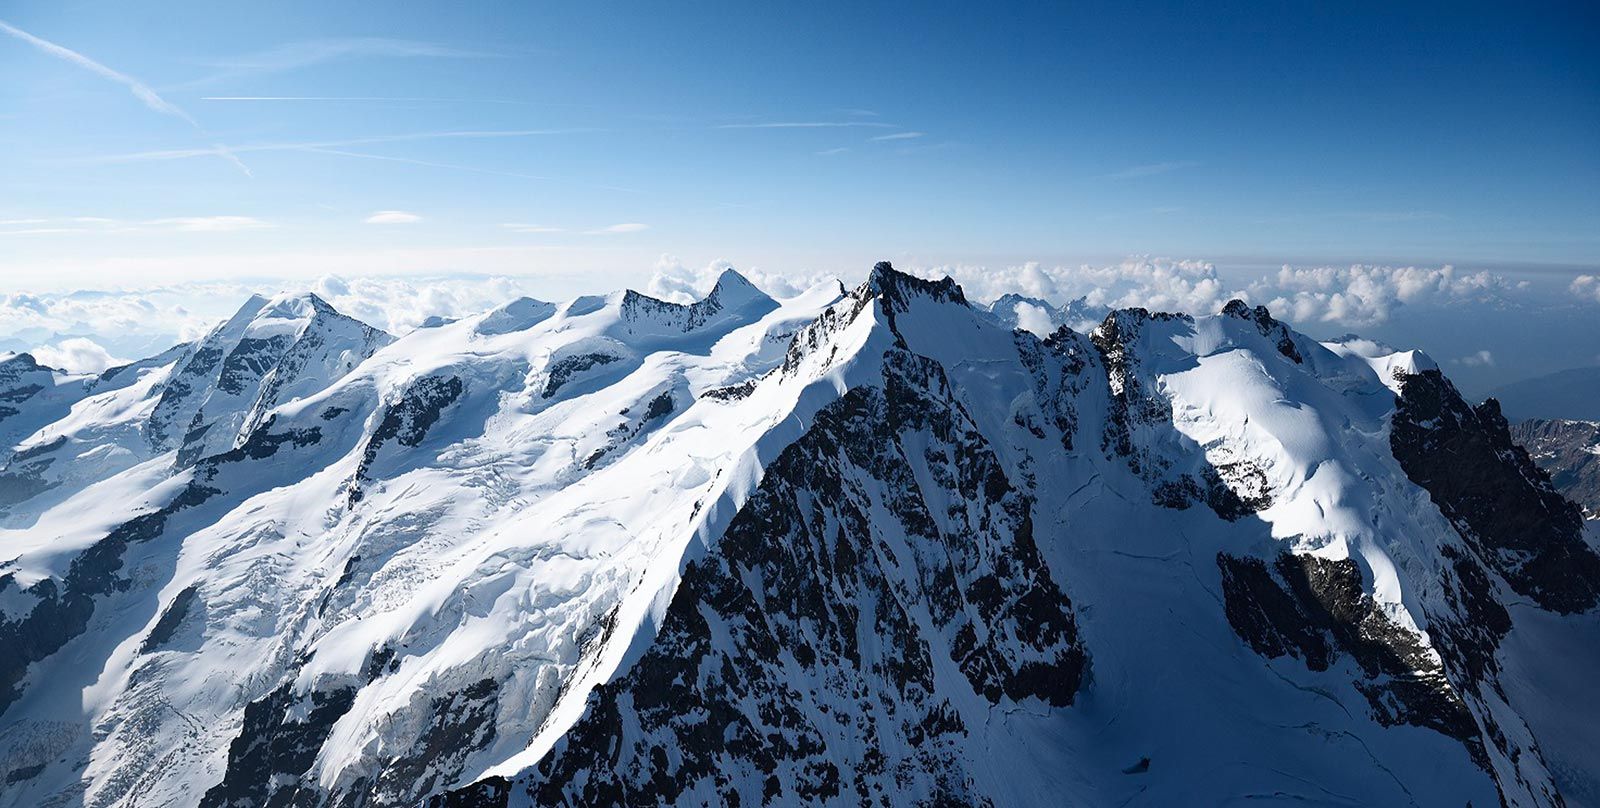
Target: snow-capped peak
899, 289
287, 313
732, 299
733, 291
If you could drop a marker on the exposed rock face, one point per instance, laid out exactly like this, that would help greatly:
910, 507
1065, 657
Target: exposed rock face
269, 353
1318, 611
1568, 451
1500, 502
61, 612
24, 476
1139, 427
32, 395
899, 291
406, 421
276, 745
731, 295
830, 646
562, 370
21, 377
1268, 327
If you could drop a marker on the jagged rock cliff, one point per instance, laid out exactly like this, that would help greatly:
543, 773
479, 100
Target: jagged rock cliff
1568, 451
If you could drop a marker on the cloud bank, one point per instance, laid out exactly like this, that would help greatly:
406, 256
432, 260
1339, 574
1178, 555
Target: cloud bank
77, 355
89, 329
1586, 287
1367, 295
1154, 283
1348, 296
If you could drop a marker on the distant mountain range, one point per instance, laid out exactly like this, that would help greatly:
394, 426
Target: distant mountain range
1569, 394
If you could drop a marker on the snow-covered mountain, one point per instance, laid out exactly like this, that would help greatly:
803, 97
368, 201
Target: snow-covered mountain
172, 409
865, 546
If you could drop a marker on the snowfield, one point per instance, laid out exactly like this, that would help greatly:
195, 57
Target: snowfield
856, 546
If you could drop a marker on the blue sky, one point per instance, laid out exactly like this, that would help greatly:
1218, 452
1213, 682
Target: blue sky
960, 133
190, 152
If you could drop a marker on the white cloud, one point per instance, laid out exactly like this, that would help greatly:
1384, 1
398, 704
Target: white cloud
625, 227
398, 305
314, 145
141, 321
900, 136
1363, 295
1353, 296
1033, 318
1154, 283
134, 322
673, 281
314, 51
1477, 360
393, 217
833, 151
77, 355
1586, 287
397, 99
306, 53
516, 227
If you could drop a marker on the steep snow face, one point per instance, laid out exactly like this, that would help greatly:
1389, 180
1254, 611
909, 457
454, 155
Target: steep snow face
408, 570
875, 546
198, 399
32, 395
869, 606
271, 352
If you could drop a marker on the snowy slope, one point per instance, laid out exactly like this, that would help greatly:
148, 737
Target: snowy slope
873, 546
198, 399
32, 395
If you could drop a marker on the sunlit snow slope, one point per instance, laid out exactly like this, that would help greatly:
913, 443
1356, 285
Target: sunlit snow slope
862, 547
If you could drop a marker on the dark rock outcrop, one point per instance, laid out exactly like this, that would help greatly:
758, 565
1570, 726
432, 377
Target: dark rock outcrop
1318, 612
276, 746
759, 674
1568, 451
1514, 520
